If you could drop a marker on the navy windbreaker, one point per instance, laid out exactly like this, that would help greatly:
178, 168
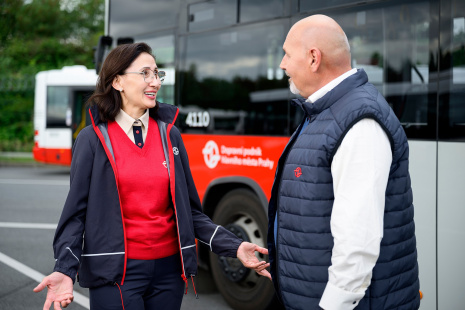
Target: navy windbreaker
90, 238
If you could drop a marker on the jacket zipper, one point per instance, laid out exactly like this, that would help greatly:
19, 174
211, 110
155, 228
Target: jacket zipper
173, 196
277, 206
113, 166
172, 185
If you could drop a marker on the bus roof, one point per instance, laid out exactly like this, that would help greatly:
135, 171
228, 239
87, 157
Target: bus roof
69, 75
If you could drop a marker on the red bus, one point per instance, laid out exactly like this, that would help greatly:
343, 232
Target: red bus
235, 115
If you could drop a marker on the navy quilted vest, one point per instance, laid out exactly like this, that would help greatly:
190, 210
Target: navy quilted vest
300, 261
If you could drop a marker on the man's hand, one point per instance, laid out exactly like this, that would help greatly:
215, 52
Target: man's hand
60, 290
246, 254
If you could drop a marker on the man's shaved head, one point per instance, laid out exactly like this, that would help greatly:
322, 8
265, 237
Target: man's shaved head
321, 47
323, 32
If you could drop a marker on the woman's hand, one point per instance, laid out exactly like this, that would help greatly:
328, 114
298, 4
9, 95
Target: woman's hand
60, 290
246, 254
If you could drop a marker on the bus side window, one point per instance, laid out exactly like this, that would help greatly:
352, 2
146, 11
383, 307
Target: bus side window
247, 94
396, 57
452, 76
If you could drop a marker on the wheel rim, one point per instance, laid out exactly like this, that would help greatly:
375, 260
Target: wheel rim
246, 228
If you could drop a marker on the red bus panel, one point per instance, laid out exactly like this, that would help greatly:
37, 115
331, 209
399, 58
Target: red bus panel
216, 156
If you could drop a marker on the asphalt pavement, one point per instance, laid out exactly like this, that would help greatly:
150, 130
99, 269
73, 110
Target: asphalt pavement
31, 198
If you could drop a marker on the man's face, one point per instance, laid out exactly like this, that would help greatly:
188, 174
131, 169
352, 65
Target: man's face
294, 64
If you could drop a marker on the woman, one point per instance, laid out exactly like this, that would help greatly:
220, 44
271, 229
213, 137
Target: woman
129, 224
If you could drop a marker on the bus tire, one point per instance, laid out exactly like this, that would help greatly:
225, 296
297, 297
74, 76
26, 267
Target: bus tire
240, 211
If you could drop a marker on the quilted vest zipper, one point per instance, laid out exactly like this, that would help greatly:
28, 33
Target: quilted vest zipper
288, 150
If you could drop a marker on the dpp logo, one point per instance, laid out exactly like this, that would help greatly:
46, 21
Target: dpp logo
211, 154
298, 172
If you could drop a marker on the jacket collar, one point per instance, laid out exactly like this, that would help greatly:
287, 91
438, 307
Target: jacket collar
357, 79
166, 113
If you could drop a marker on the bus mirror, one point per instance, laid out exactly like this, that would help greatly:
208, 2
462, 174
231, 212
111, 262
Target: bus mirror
124, 41
104, 43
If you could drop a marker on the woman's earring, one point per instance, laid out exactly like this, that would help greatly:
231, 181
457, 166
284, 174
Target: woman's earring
121, 89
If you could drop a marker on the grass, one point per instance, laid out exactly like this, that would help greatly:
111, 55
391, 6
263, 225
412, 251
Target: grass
13, 161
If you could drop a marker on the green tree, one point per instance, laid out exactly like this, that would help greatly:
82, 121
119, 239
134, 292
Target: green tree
37, 35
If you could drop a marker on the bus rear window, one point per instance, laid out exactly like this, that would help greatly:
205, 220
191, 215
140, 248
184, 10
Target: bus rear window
57, 106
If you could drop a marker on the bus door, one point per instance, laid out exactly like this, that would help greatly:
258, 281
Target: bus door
78, 117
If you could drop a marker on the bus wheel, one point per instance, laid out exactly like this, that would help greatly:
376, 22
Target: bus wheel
240, 211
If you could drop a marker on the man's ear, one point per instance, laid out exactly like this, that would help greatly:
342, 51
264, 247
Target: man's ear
314, 58
117, 83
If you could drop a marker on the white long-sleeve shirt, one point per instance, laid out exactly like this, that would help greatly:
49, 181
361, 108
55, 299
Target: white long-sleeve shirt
360, 171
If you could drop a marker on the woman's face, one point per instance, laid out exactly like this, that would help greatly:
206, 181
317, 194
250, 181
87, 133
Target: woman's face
137, 94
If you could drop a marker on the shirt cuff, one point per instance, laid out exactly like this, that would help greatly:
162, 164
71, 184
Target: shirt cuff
335, 298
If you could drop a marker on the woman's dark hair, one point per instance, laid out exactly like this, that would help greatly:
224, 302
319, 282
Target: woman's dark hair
106, 98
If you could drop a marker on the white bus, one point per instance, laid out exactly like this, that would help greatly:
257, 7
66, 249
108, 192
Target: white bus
59, 112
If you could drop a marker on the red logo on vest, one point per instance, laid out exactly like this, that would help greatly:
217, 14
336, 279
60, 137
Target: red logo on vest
298, 172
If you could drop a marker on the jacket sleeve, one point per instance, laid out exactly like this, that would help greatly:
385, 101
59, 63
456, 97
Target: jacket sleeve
220, 240
67, 244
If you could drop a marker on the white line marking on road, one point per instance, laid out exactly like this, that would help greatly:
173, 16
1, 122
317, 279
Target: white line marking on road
33, 182
37, 276
27, 225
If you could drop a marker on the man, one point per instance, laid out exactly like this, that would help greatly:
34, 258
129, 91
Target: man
341, 230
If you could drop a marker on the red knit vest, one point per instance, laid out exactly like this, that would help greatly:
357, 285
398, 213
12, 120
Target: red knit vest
143, 184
